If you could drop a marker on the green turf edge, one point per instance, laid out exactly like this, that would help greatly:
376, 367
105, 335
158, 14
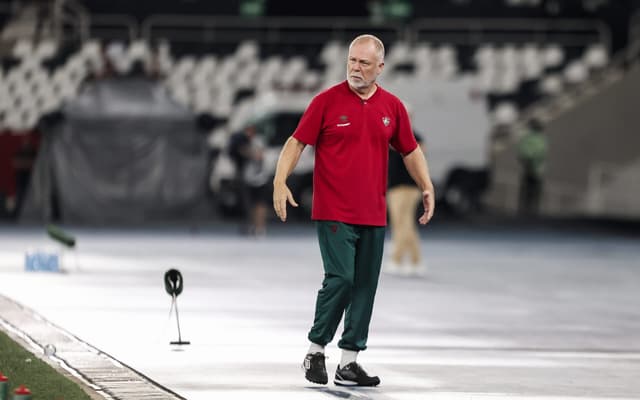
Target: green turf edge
44, 382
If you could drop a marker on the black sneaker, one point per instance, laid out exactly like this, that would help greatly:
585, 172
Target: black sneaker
352, 374
314, 368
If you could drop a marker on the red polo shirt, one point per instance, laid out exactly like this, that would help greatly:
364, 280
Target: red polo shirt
352, 138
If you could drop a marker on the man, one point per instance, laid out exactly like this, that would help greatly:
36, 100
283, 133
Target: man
403, 198
532, 153
351, 125
251, 181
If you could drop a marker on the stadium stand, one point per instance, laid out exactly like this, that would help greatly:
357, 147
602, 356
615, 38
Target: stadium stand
516, 56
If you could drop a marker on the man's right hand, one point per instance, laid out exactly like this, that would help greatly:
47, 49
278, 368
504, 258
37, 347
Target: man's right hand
282, 194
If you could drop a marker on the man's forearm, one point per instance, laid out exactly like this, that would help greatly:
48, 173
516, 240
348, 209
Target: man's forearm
288, 159
416, 164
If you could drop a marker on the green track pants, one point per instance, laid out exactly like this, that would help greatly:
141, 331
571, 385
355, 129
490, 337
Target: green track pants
351, 255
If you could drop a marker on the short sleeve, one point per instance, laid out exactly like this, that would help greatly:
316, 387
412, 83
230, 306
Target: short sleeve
403, 139
310, 123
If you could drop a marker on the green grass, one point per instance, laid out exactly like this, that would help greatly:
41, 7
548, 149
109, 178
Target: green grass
44, 382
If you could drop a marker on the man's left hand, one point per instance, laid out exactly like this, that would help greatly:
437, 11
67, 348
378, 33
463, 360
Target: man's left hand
428, 201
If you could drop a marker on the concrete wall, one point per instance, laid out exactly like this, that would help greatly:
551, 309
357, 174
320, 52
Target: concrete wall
594, 150
602, 131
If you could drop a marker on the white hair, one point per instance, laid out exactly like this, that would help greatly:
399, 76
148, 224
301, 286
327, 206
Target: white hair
376, 42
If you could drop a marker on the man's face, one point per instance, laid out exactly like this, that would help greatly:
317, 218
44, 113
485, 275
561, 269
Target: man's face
363, 65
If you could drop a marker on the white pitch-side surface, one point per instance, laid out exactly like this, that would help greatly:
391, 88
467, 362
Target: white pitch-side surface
500, 315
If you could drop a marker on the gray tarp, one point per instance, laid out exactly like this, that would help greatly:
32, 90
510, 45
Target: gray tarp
124, 153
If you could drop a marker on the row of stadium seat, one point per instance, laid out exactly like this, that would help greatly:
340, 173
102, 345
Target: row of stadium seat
213, 84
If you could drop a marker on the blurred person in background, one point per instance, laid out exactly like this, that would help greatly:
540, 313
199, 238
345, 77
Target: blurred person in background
532, 153
7, 176
251, 181
258, 178
17, 157
351, 126
403, 197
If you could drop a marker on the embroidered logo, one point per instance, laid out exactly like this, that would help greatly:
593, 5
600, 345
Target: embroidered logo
344, 121
334, 228
386, 121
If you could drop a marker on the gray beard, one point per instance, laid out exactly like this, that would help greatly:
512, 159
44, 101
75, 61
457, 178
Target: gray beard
358, 85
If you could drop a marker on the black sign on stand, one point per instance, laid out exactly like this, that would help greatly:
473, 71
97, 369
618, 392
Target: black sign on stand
174, 284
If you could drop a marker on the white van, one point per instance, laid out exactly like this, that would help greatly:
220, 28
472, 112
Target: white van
275, 116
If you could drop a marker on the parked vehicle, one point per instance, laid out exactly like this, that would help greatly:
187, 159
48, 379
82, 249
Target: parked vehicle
275, 117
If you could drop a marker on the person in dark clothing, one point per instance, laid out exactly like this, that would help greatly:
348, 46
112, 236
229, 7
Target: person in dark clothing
251, 179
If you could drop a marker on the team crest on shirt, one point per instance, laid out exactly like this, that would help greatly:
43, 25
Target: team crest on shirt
344, 118
386, 121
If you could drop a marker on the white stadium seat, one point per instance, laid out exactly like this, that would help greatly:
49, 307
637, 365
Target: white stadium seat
576, 72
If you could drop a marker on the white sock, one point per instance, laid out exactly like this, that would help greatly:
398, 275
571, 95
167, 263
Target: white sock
315, 348
348, 356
